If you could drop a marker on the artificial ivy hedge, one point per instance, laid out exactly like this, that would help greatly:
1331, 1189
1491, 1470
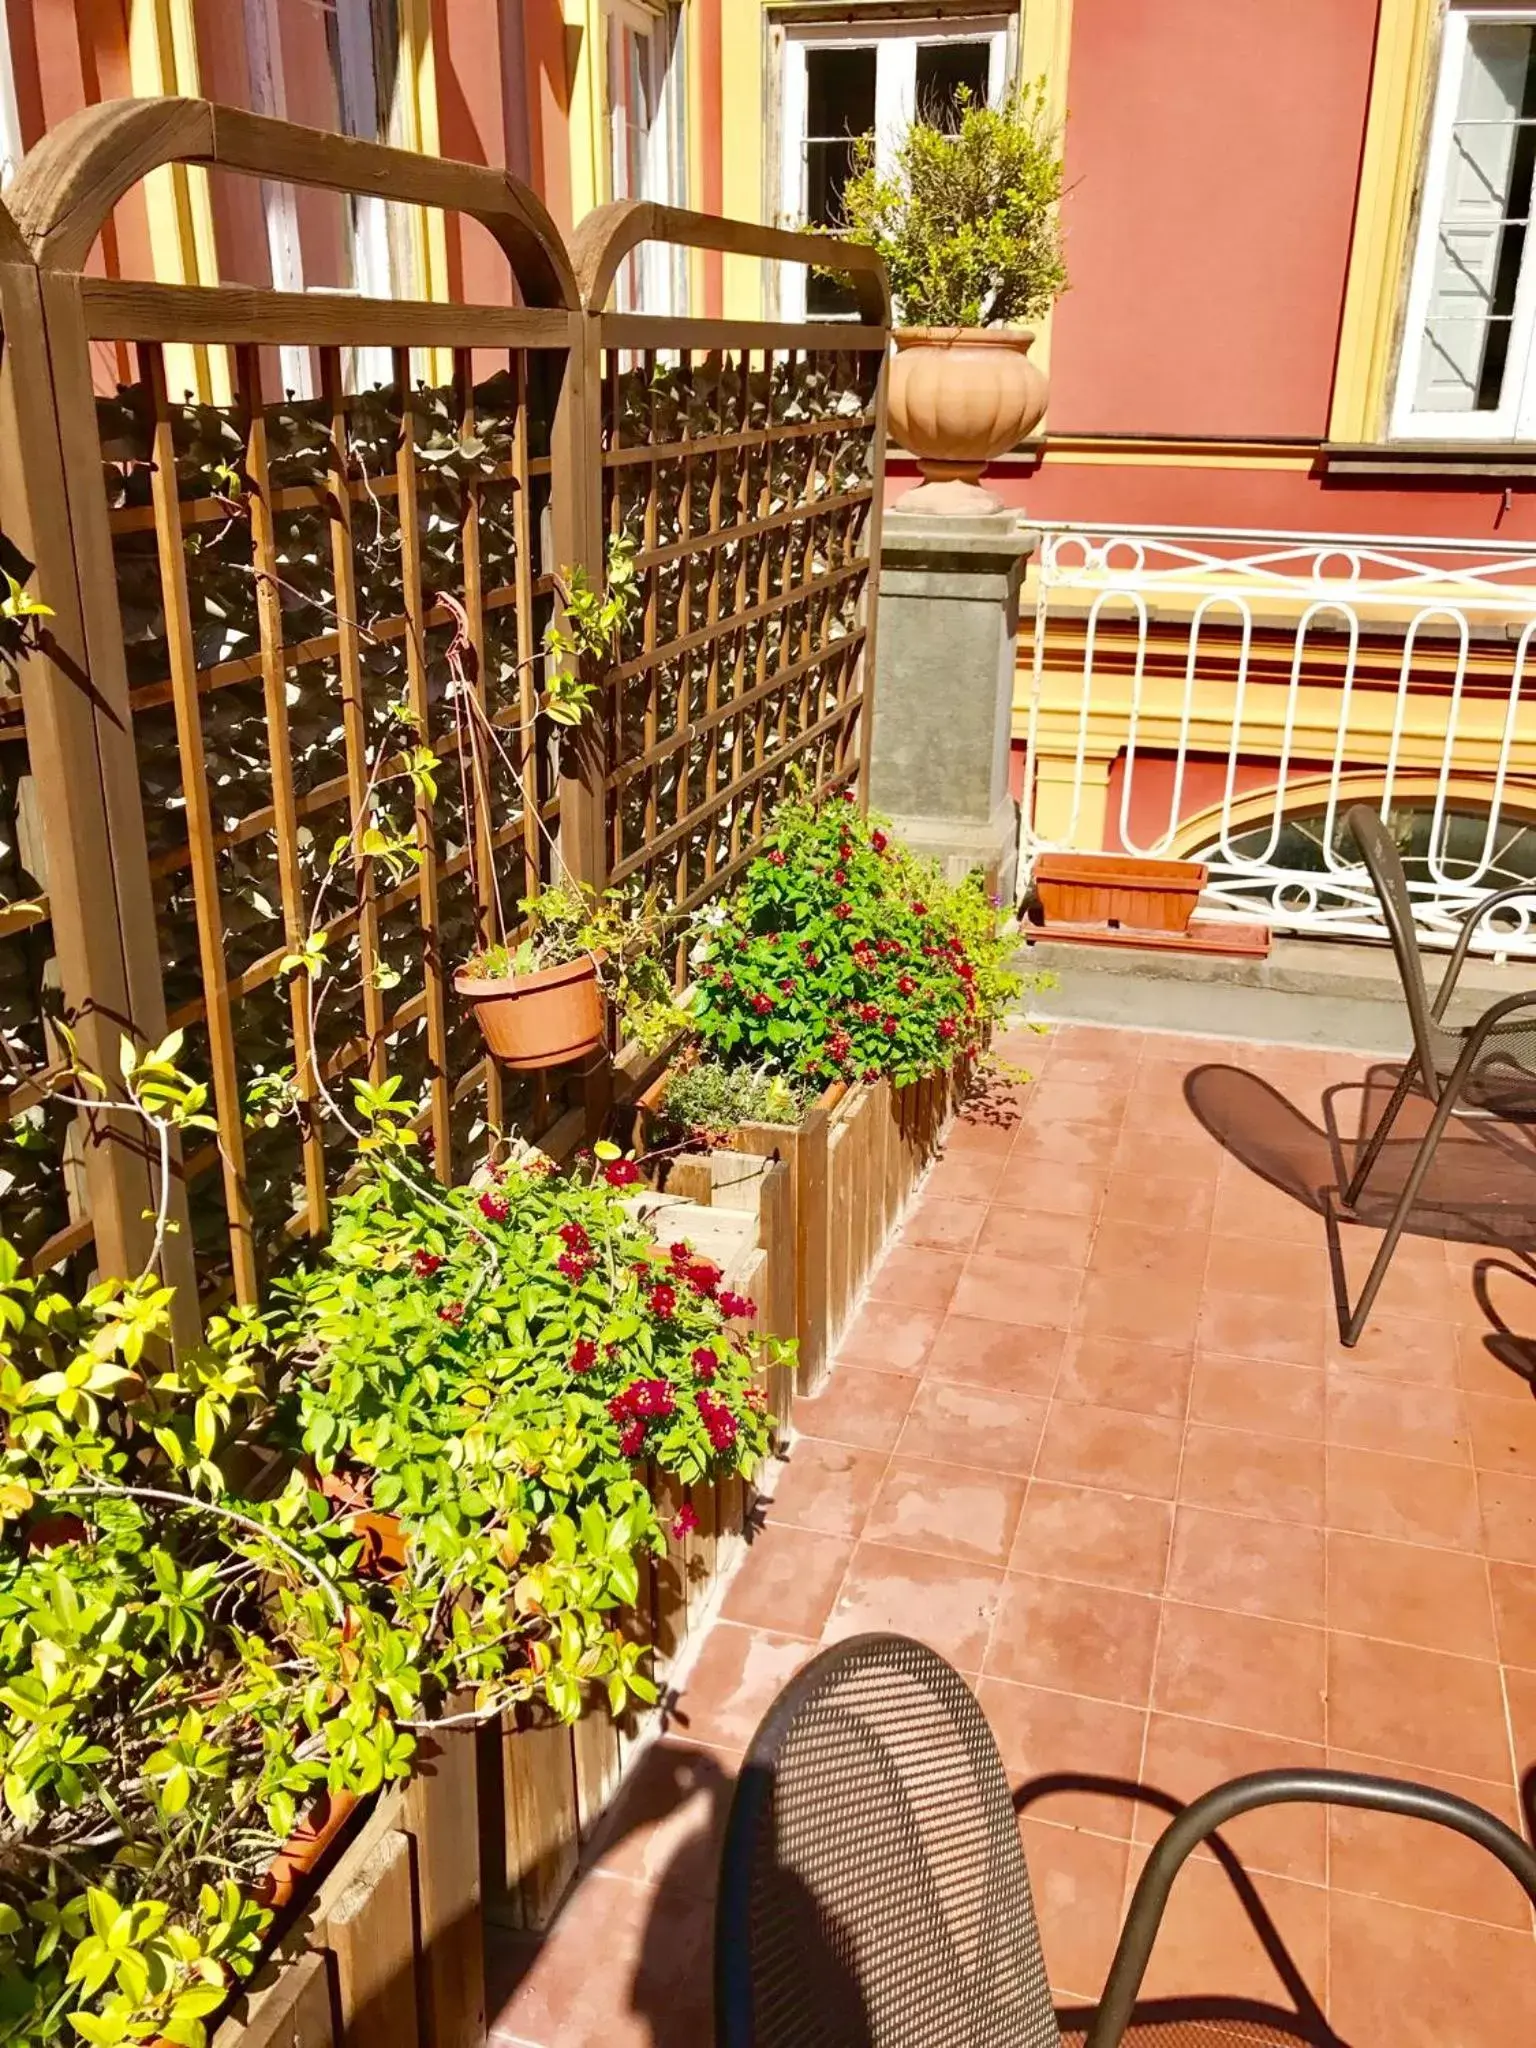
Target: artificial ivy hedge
195, 1642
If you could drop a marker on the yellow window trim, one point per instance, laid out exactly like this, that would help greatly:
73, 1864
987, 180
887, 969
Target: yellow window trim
1407, 38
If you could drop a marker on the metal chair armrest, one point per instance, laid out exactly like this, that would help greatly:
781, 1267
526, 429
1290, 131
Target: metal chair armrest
1486, 1024
1274, 1788
1469, 924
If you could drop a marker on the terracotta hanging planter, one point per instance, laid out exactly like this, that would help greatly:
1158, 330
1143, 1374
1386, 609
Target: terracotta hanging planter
960, 396
544, 1019
1119, 890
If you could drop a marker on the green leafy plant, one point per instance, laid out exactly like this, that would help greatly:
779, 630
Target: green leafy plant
623, 934
842, 955
704, 1097
579, 650
966, 218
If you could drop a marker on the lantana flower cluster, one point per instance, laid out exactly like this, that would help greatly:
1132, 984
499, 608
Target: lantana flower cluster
843, 957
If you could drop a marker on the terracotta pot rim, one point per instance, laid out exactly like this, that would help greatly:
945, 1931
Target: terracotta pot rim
480, 988
1019, 338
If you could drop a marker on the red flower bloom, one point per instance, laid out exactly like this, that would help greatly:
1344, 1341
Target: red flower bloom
494, 1208
705, 1363
849, 797
621, 1173
871, 1075
642, 1398
703, 1278
840, 876
737, 1307
574, 1238
878, 841
762, 1004
727, 981
451, 1312
719, 1423
574, 1269
966, 971
946, 1027
632, 1439
906, 985
787, 986
838, 1046
425, 1264
776, 858
663, 1300
680, 1253
842, 910
584, 1357
684, 1522
919, 909
870, 1012
888, 1026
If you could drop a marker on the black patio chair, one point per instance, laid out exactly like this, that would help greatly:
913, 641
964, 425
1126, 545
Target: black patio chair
1484, 1069
873, 1890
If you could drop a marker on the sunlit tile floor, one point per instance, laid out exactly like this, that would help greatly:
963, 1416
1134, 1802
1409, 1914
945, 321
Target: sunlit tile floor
1095, 1439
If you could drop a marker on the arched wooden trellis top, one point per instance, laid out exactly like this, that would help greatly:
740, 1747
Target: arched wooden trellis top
610, 233
70, 182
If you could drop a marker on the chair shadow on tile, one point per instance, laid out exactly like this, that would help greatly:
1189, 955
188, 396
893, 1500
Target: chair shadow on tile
1510, 1347
1189, 2020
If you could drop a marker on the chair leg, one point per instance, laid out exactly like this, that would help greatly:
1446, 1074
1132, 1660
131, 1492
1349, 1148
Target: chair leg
1378, 1137
1351, 1327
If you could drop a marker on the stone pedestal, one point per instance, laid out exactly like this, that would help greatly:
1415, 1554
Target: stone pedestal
943, 714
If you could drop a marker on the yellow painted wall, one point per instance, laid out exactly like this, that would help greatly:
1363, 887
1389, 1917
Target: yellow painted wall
749, 177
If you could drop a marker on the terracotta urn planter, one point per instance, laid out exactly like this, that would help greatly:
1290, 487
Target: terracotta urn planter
538, 1020
959, 396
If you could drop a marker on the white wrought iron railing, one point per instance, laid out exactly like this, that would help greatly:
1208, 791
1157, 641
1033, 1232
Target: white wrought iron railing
1227, 695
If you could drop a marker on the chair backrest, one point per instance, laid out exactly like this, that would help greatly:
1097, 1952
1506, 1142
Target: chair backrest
873, 1892
1385, 865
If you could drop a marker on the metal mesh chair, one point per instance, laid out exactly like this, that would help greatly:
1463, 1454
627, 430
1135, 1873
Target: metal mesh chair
873, 1891
1487, 1068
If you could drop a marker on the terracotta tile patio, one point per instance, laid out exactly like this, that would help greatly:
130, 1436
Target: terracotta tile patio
1095, 1439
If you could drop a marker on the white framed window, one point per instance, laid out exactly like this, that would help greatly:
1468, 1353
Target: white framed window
11, 151
648, 146
842, 83
1467, 370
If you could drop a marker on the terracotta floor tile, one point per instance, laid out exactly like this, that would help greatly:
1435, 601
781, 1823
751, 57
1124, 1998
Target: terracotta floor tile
668, 1822
886, 1335
1509, 1515
973, 1137
1094, 1640
1100, 1537
1280, 1477
788, 1580
1080, 1145
1424, 1980
1056, 1099
1049, 1739
1187, 1155
1419, 1282
1243, 1670
964, 1177
1285, 1330
1415, 1706
1180, 1203
1077, 1881
1391, 1856
740, 1672
1208, 1946
915, 1277
1248, 1393
1247, 1566
1487, 1364
1520, 1691
1406, 1593
1377, 1494
1394, 1347
859, 1406
1112, 1372
1042, 1239
1094, 1070
1010, 1290
1148, 1311
1047, 1187
1110, 1447
1503, 1433
946, 1510
826, 1486
959, 1424
1134, 1253
1265, 1266
1384, 1415
1159, 1106
944, 1226
1012, 1358
1187, 1758
1514, 1607
1247, 1206
943, 1603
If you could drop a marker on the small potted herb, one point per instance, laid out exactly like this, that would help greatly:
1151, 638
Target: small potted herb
540, 1000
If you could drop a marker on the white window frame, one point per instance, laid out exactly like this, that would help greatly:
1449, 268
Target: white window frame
1515, 419
896, 45
11, 151
654, 279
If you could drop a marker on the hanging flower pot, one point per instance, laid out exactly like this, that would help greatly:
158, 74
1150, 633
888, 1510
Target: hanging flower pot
543, 1019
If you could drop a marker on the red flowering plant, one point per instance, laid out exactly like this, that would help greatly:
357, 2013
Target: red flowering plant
497, 1366
844, 956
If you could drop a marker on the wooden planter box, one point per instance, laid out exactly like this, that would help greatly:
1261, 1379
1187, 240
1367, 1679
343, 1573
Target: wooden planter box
1117, 889
390, 1951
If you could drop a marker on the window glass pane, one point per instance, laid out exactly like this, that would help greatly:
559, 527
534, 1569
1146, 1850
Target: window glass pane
1480, 241
944, 71
839, 107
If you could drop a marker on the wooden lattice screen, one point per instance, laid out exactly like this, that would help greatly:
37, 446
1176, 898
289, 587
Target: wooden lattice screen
267, 608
